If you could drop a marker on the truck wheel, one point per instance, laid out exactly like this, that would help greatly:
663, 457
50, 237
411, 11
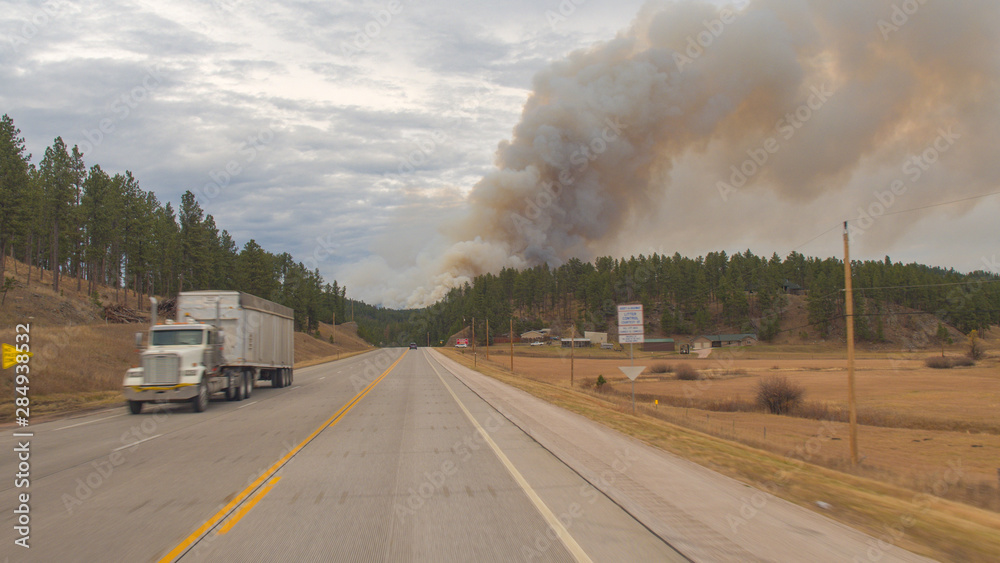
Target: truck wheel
200, 401
239, 386
291, 375
230, 389
135, 407
277, 378
249, 385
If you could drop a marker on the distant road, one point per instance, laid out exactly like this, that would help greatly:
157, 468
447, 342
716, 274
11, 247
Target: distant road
385, 456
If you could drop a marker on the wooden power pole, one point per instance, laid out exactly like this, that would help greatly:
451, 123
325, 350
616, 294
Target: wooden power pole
487, 339
572, 351
474, 342
512, 345
849, 321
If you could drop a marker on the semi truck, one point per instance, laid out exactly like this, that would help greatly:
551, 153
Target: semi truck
220, 341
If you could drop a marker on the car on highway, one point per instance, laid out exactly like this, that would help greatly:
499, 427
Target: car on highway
413, 345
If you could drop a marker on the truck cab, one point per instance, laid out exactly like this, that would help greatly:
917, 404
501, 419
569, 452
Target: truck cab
178, 362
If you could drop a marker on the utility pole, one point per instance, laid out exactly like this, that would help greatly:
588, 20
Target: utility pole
333, 334
487, 339
572, 350
474, 342
849, 318
512, 345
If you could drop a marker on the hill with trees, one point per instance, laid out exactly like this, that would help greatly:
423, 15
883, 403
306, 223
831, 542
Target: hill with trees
104, 230
713, 294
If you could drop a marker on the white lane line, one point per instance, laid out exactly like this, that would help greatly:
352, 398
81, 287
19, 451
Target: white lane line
574, 548
133, 444
88, 422
322, 378
247, 405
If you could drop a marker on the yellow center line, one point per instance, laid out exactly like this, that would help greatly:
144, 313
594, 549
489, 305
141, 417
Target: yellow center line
250, 504
221, 514
553, 521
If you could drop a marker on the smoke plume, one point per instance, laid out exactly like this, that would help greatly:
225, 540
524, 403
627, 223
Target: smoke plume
792, 100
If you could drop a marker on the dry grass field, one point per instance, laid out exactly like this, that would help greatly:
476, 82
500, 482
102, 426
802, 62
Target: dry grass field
916, 422
793, 463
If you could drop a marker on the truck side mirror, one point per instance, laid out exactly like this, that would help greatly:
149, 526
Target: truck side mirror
138, 340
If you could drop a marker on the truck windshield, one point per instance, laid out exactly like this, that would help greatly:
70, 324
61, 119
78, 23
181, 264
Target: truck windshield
185, 337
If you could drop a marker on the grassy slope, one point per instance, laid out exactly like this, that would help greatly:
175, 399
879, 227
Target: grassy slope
924, 524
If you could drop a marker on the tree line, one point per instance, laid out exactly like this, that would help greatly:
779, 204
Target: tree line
718, 292
104, 229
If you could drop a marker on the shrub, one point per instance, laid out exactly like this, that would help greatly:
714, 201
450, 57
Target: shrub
660, 368
687, 373
962, 361
600, 382
948, 362
975, 346
938, 362
778, 395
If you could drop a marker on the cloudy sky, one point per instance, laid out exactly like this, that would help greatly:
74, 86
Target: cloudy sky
351, 134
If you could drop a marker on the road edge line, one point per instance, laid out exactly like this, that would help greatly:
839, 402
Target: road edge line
550, 518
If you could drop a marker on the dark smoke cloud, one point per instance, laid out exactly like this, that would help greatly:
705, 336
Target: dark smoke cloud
814, 95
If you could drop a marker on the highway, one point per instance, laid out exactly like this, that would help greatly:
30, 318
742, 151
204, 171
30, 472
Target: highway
385, 456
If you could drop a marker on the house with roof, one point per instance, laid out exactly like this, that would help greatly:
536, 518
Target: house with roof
539, 335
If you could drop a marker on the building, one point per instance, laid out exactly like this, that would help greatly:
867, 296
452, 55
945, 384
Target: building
539, 335
576, 343
723, 340
792, 288
505, 339
596, 338
658, 345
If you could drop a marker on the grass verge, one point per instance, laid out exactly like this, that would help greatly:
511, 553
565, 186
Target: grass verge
919, 522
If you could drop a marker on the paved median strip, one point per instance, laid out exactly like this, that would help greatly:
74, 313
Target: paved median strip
221, 515
550, 518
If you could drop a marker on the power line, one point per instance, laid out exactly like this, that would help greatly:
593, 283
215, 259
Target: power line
980, 196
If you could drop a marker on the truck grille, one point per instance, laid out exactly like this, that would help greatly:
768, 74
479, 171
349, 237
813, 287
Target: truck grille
163, 369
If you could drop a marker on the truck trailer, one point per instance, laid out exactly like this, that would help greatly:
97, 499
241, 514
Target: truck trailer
221, 341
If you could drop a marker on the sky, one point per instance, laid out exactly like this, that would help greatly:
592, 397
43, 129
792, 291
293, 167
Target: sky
354, 135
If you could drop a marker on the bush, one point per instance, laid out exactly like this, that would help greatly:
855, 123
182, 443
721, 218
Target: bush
962, 361
948, 362
938, 362
660, 368
687, 373
600, 382
778, 395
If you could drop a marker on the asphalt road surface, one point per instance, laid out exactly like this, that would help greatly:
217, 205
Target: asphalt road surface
381, 457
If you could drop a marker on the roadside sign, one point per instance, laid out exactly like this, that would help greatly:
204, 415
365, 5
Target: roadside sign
630, 315
631, 338
630, 329
632, 372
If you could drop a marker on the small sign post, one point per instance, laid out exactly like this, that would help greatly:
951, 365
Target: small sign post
631, 330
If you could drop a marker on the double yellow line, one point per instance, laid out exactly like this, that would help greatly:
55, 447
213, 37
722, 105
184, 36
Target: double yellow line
245, 493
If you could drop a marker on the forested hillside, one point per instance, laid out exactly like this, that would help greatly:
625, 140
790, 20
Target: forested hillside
102, 228
714, 293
